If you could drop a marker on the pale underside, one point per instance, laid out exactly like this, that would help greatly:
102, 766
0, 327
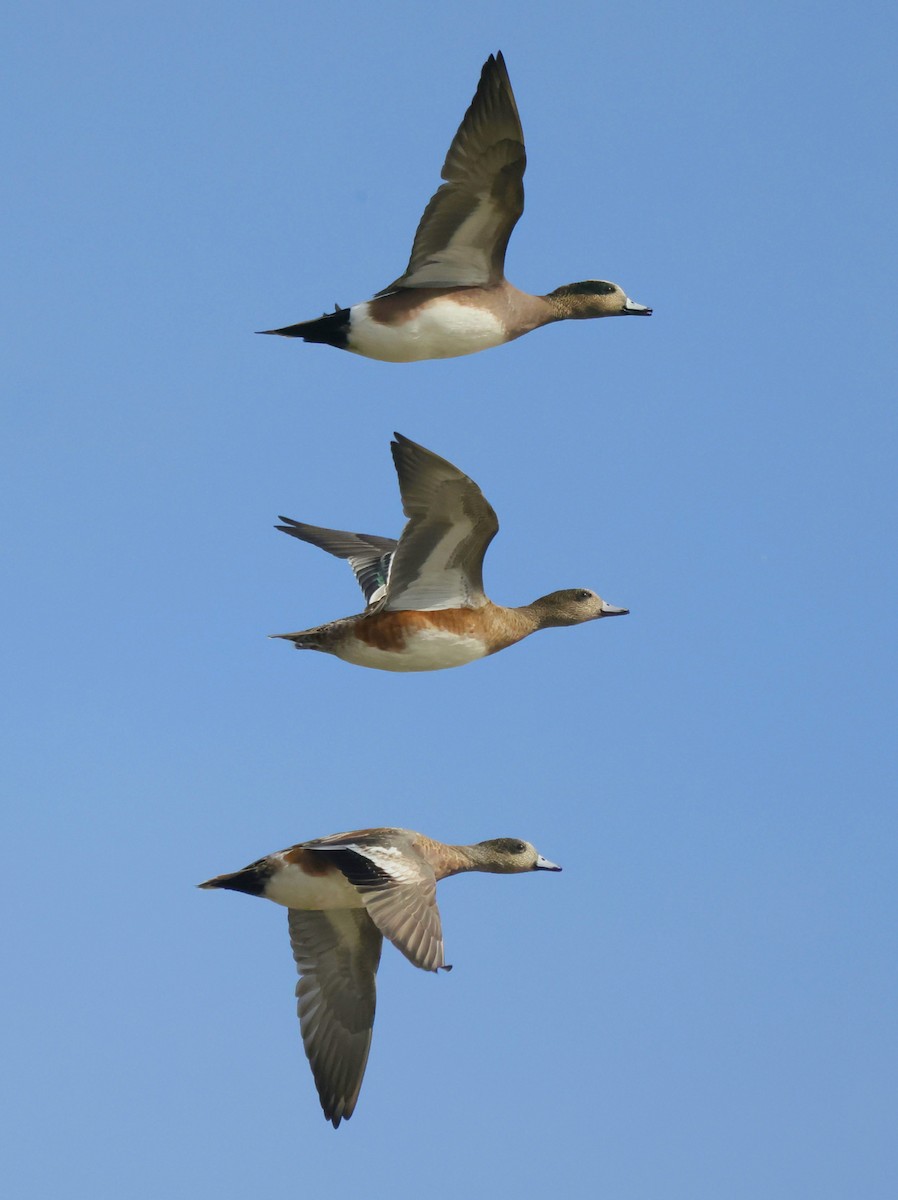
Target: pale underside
425, 650
294, 888
441, 328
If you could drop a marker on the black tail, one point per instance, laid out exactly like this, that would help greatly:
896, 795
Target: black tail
251, 879
331, 329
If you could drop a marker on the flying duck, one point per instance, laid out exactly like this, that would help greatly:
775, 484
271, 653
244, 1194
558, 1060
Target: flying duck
426, 606
344, 895
453, 297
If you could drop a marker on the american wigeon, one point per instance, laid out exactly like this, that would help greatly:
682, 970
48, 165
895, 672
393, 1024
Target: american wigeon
344, 895
453, 297
426, 605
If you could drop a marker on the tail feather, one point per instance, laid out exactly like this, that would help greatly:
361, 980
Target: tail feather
305, 640
330, 329
251, 880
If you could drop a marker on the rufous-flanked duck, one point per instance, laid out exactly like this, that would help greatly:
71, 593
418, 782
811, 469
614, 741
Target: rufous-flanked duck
426, 605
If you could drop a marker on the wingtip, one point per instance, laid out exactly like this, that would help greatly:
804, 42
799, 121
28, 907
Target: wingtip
399, 439
341, 1111
497, 61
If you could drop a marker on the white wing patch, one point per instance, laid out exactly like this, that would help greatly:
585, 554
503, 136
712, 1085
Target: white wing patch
388, 858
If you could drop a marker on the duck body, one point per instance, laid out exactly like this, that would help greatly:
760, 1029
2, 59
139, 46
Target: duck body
453, 298
414, 641
396, 642
410, 326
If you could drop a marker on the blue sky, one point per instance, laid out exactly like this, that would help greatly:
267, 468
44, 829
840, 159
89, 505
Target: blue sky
702, 1004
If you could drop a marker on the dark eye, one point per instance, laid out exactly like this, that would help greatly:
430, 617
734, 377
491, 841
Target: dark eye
519, 848
583, 594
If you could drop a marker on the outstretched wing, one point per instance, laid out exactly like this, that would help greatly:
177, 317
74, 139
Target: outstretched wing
337, 953
367, 554
462, 236
439, 560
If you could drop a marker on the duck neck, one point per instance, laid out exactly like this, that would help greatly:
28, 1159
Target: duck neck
538, 615
517, 623
467, 858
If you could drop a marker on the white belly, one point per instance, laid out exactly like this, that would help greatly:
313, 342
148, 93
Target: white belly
427, 650
293, 888
441, 329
